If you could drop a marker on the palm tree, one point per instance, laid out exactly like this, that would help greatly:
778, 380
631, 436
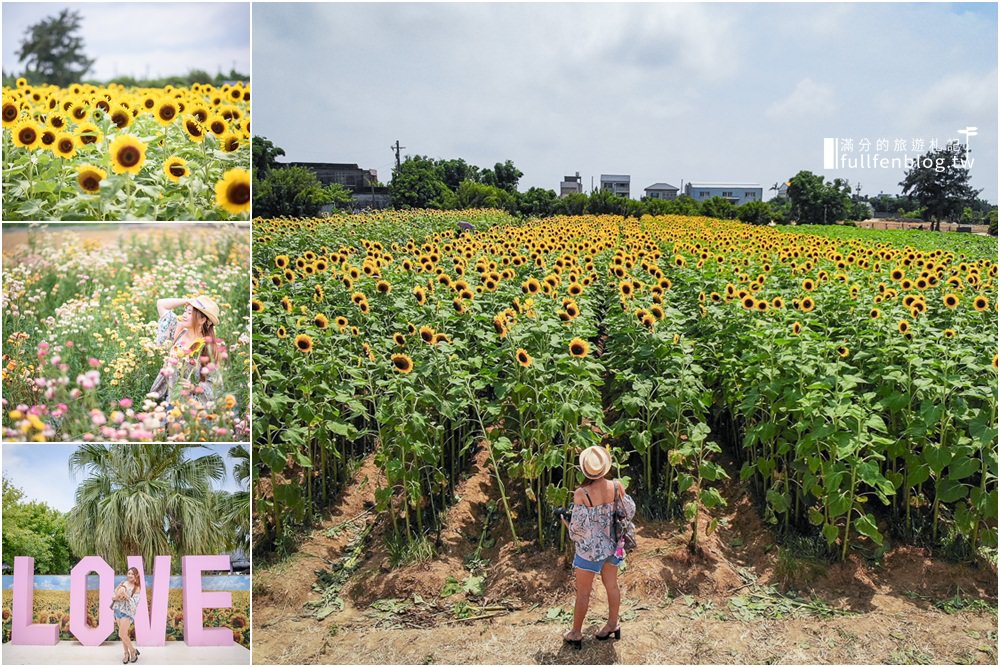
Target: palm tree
145, 500
237, 505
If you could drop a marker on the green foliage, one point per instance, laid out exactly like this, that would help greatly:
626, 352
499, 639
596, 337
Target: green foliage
719, 208
295, 192
755, 213
53, 51
815, 201
419, 183
34, 529
265, 156
939, 181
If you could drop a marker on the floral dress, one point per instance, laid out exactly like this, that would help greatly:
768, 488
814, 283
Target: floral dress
129, 604
590, 528
183, 363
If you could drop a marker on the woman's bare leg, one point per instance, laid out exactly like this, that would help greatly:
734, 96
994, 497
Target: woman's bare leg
609, 576
123, 635
584, 583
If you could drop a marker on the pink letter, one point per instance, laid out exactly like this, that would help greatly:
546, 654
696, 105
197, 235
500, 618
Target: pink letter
22, 630
151, 626
87, 635
195, 601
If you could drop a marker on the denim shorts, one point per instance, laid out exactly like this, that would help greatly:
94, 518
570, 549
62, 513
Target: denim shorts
119, 615
593, 565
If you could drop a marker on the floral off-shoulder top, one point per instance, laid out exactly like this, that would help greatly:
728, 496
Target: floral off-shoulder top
590, 527
183, 363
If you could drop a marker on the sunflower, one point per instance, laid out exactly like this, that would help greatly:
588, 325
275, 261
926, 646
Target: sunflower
421, 295
749, 302
256, 305
796, 328
777, 302
383, 287
127, 154
88, 133
523, 357
843, 351
282, 332
217, 125
402, 363
11, 112
26, 134
903, 326
441, 338
994, 361
286, 303
807, 304
304, 343
175, 168
321, 321
281, 261
531, 286
399, 339
762, 306
427, 334
65, 145
874, 313
949, 333
579, 348
232, 193
341, 322
194, 130
89, 178
808, 285
458, 304
166, 112
575, 289
121, 117
981, 303
649, 320
229, 142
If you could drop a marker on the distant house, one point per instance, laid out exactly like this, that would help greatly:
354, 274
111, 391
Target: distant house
570, 185
662, 191
618, 184
351, 176
735, 193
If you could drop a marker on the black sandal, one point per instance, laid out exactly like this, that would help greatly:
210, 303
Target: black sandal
617, 632
136, 656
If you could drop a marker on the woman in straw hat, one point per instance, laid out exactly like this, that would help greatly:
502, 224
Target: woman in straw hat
194, 354
596, 551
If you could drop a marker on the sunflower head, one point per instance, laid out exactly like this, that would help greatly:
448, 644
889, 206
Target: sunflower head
579, 348
232, 192
523, 357
127, 154
176, 168
65, 145
402, 363
89, 178
26, 134
303, 343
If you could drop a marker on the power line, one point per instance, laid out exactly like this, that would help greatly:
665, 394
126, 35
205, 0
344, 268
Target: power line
397, 148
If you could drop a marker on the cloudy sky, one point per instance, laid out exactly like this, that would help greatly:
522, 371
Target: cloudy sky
42, 471
144, 40
663, 92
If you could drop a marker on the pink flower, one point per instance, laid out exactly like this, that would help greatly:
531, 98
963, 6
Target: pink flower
98, 418
75, 393
69, 343
88, 436
94, 362
55, 360
125, 402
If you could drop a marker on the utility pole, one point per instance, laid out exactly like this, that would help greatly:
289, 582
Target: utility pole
397, 148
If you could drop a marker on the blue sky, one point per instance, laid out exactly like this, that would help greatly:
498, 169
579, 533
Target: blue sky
42, 471
663, 92
144, 39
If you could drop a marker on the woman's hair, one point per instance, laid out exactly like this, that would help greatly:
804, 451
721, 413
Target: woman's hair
207, 331
132, 570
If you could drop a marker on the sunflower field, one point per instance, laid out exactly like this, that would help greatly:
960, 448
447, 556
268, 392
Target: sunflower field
80, 323
849, 374
90, 152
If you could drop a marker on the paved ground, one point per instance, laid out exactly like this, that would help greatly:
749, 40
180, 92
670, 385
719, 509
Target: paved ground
110, 653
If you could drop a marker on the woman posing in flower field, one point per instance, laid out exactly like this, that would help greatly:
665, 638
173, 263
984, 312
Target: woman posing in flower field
194, 355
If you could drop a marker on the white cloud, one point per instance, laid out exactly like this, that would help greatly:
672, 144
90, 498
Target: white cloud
809, 99
964, 98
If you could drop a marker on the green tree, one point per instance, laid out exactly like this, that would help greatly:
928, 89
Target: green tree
939, 182
480, 195
605, 201
264, 156
146, 500
419, 183
53, 52
718, 207
537, 202
817, 202
295, 192
755, 213
453, 172
34, 529
236, 514
503, 175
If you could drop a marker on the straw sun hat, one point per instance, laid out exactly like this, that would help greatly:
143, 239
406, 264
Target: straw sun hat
595, 462
207, 306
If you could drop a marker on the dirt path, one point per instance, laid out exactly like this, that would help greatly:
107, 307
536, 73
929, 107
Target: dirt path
741, 599
14, 237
